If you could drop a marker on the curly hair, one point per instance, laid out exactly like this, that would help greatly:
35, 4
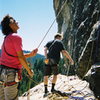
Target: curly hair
6, 30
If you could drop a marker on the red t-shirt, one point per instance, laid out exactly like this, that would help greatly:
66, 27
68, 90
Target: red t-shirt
12, 44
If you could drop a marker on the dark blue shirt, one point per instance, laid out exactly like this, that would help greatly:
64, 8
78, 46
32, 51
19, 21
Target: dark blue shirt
54, 49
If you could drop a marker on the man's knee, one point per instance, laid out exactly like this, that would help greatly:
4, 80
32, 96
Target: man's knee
11, 92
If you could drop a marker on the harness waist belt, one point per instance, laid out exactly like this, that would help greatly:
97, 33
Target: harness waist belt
7, 67
8, 83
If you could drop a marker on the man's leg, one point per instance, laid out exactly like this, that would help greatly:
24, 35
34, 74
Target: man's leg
53, 82
2, 97
11, 89
47, 72
11, 92
45, 84
55, 72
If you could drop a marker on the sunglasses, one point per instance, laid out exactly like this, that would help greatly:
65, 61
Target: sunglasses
13, 21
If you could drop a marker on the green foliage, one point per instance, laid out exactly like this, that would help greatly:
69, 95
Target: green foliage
37, 78
65, 68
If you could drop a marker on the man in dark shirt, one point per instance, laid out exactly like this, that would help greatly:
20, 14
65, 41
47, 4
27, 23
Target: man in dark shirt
52, 53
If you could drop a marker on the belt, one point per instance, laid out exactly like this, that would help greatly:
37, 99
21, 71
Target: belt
8, 83
7, 67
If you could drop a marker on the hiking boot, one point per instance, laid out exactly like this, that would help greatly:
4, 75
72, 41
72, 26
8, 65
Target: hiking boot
54, 91
64, 93
46, 94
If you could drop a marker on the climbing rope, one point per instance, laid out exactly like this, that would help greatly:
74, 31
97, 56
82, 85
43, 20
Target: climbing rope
52, 23
30, 78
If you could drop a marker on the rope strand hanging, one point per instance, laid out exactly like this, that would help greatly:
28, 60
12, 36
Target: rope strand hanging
52, 24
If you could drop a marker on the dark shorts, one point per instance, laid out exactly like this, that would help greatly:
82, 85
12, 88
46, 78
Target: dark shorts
51, 68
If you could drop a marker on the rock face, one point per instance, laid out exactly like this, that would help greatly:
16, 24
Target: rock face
78, 21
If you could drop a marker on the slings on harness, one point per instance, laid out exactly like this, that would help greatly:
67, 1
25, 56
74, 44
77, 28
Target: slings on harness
18, 76
46, 61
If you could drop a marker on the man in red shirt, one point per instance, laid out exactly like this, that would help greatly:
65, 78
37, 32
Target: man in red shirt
12, 59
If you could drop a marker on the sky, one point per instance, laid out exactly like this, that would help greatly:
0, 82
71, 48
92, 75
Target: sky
34, 19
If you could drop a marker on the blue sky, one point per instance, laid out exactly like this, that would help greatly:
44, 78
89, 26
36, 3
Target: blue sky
34, 18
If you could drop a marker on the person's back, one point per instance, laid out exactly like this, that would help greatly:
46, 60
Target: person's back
54, 49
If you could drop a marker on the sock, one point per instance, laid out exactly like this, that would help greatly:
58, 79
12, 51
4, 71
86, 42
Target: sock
46, 90
53, 85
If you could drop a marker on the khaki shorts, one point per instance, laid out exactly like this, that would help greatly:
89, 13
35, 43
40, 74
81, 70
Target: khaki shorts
8, 92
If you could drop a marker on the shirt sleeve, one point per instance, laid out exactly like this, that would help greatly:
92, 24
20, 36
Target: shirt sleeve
62, 46
17, 42
47, 45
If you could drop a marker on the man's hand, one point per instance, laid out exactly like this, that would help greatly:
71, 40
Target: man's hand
31, 73
34, 52
72, 62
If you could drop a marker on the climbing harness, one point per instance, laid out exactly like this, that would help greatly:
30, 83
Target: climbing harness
7, 79
47, 60
7, 83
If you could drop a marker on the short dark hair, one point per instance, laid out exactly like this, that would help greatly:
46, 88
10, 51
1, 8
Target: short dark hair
58, 35
6, 30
